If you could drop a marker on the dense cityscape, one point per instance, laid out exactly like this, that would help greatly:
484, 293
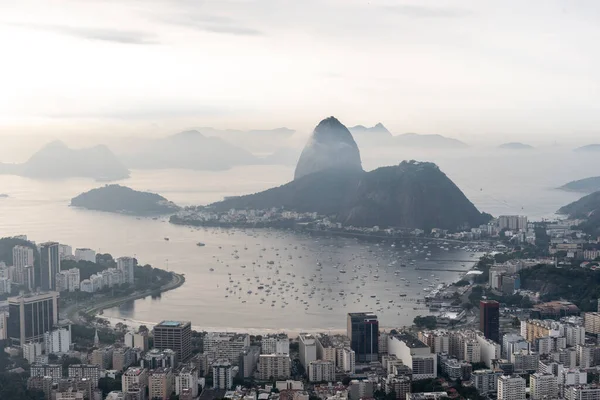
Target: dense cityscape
299, 200
487, 335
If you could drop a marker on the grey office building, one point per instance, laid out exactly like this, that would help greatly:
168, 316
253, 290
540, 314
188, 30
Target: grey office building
174, 335
31, 315
49, 266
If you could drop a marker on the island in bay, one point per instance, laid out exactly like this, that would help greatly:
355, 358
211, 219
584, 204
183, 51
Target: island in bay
329, 182
124, 200
586, 185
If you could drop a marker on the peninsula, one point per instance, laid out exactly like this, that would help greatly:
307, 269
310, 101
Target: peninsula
587, 185
57, 161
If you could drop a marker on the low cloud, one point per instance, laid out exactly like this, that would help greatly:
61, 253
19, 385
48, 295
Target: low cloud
214, 24
107, 35
426, 12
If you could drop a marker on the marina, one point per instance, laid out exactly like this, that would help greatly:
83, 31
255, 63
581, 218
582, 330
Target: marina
285, 275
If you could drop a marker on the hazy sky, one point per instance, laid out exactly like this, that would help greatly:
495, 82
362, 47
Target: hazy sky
460, 68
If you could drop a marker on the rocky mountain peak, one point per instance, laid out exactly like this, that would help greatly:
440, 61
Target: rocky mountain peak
331, 145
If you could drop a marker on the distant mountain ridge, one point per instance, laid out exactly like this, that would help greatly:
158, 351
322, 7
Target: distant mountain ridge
586, 208
583, 207
380, 135
254, 140
57, 161
124, 200
588, 148
433, 141
190, 150
587, 185
378, 129
409, 195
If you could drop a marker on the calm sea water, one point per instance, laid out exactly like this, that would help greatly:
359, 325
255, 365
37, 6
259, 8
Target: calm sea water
497, 182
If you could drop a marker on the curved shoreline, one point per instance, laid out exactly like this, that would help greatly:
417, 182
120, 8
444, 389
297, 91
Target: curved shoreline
76, 315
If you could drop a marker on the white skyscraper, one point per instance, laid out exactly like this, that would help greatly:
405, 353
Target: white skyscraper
348, 360
22, 256
58, 341
308, 349
321, 371
543, 386
127, 265
31, 351
275, 344
65, 251
187, 379
222, 374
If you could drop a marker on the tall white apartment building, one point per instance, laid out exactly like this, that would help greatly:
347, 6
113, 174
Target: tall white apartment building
585, 356
582, 393
321, 371
87, 371
134, 380
543, 386
187, 379
5, 285
327, 348
485, 380
160, 383
275, 344
22, 256
592, 322
68, 280
571, 377
308, 349
31, 351
511, 387
346, 360
222, 345
58, 341
512, 343
127, 266
3, 327
490, 350
471, 351
414, 354
437, 340
276, 366
137, 339
222, 374
65, 251
575, 334
23, 260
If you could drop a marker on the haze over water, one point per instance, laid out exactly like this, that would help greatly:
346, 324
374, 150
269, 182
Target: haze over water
520, 183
